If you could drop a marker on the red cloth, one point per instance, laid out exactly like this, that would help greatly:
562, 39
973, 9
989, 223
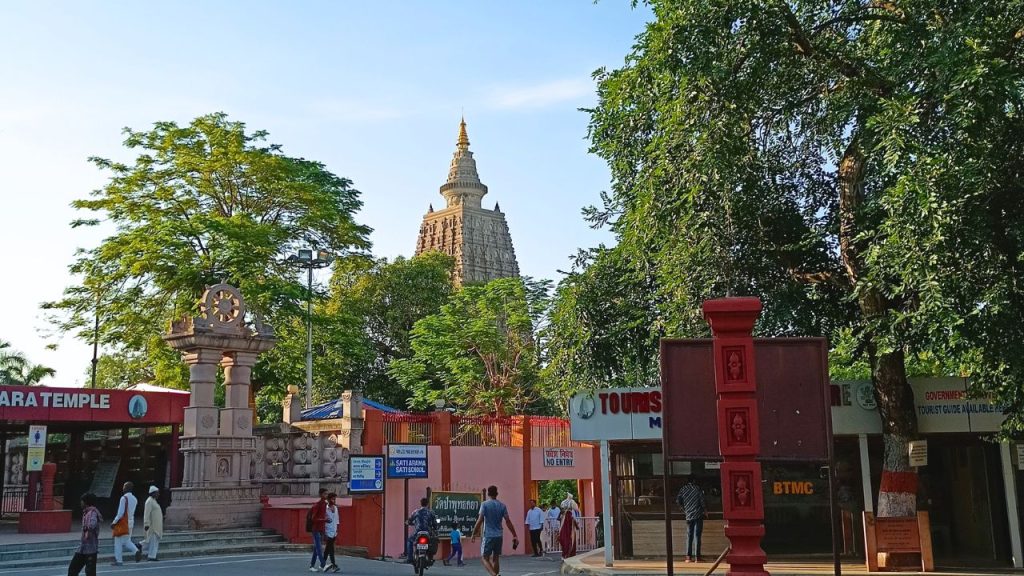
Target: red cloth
320, 516
567, 535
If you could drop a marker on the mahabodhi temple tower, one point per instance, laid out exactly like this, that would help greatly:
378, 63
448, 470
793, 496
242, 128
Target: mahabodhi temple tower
477, 238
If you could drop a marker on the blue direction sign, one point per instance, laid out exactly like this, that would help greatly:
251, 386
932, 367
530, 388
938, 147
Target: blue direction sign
407, 461
365, 473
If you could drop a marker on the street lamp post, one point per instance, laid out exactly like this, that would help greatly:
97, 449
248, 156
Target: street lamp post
309, 261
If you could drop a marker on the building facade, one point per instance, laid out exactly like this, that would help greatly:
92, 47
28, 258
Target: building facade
477, 238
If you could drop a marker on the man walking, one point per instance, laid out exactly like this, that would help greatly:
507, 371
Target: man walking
124, 524
317, 517
153, 524
85, 556
691, 500
492, 513
535, 523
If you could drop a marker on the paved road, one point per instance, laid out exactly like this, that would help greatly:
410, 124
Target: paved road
294, 563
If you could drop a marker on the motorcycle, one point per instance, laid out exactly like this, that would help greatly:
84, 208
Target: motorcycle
421, 553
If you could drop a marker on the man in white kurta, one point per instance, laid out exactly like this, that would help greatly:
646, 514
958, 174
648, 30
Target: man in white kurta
153, 520
125, 507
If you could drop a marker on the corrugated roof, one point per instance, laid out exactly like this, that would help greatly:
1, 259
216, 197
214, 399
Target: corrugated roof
332, 409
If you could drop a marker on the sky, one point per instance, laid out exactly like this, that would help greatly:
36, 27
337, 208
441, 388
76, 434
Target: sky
374, 90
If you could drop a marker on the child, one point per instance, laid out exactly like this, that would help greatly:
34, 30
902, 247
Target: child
456, 537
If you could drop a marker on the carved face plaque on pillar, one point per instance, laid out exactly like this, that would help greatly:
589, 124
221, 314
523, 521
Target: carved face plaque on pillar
223, 467
738, 426
741, 486
735, 371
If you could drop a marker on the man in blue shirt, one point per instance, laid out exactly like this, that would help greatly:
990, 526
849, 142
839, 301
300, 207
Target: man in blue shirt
492, 513
422, 520
691, 500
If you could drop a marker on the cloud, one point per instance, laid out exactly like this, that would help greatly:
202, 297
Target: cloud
541, 95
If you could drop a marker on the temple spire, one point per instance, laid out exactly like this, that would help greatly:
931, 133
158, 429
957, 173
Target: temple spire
463, 136
463, 185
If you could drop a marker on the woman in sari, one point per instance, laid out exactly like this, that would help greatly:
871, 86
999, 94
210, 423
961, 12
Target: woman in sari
567, 535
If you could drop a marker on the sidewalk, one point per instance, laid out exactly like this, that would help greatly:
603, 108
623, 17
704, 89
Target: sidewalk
593, 563
9, 534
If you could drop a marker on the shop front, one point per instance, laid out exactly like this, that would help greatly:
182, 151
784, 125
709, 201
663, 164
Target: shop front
968, 486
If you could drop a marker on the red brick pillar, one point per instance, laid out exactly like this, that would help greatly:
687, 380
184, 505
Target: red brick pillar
596, 477
49, 471
527, 435
442, 437
732, 323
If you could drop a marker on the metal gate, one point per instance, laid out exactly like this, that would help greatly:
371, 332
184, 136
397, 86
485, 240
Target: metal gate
586, 535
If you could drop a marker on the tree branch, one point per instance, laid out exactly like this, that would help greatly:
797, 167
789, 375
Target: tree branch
855, 71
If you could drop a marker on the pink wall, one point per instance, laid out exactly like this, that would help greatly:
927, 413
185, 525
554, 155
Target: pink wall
475, 468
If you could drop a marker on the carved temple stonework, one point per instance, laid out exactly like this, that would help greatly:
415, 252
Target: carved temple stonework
217, 444
477, 238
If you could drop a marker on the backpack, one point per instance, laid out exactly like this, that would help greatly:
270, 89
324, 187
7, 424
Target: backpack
309, 519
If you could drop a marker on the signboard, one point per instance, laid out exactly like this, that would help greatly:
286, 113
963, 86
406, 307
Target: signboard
558, 457
793, 399
918, 452
616, 414
42, 404
407, 461
941, 404
1020, 456
103, 478
461, 508
897, 535
365, 473
36, 448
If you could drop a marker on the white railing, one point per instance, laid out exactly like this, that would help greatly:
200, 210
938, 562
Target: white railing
586, 535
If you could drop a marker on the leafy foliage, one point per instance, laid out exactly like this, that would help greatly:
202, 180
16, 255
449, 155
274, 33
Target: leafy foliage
17, 370
200, 204
855, 164
478, 353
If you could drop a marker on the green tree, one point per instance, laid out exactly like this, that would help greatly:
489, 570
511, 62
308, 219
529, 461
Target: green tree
386, 299
603, 329
17, 370
477, 353
200, 204
855, 164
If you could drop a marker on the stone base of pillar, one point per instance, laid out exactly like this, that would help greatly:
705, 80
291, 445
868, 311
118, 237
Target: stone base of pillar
746, 558
214, 508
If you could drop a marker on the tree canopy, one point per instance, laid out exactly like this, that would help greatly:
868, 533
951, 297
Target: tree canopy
855, 164
203, 203
477, 354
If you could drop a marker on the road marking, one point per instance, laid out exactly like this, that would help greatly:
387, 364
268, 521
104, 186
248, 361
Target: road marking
539, 573
167, 564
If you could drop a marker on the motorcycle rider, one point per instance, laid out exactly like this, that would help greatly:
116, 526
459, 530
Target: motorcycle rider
422, 520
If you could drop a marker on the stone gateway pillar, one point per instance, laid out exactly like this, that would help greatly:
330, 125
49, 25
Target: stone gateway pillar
217, 443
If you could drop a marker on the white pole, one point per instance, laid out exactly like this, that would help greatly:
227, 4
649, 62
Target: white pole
606, 503
1010, 487
865, 473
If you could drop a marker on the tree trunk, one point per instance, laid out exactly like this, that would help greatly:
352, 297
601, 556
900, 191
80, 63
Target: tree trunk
897, 494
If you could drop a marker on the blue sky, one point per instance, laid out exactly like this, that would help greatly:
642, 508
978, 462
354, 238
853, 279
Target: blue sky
372, 89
